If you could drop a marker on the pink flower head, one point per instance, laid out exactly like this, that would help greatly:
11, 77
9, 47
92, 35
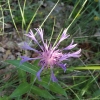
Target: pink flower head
50, 56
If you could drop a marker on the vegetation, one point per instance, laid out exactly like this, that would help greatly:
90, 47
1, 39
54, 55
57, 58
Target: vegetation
81, 81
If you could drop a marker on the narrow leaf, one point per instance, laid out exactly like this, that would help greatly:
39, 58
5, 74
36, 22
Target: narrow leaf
42, 93
25, 66
96, 94
20, 90
52, 86
87, 67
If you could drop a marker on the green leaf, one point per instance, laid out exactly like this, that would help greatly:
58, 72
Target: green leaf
52, 86
25, 87
25, 66
5, 98
21, 89
87, 68
96, 94
42, 92
22, 74
86, 87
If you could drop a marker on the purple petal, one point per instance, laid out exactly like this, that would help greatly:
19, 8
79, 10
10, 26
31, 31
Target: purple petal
27, 47
31, 35
25, 58
46, 46
64, 57
63, 66
75, 54
39, 72
53, 78
69, 55
64, 36
71, 46
40, 32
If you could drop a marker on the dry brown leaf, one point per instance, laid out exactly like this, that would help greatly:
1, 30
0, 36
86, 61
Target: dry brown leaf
7, 53
7, 77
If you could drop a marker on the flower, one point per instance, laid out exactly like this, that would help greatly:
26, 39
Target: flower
50, 56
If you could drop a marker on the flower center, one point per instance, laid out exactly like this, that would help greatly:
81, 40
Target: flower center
51, 58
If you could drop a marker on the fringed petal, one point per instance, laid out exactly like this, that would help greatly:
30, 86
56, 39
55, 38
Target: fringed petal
70, 55
27, 47
25, 58
63, 37
40, 32
75, 54
46, 46
32, 36
53, 78
71, 46
39, 72
63, 66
